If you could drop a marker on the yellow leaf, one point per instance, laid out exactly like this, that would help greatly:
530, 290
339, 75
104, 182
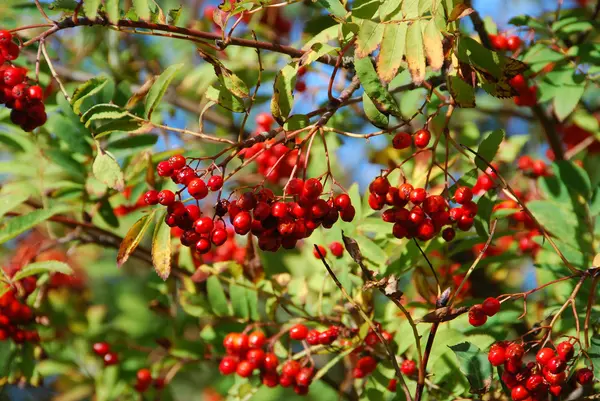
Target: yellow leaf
432, 41
415, 55
161, 249
132, 238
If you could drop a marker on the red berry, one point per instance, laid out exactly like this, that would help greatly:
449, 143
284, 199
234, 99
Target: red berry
151, 197
301, 390
358, 373
256, 339
513, 43
144, 377
448, 234
312, 188
270, 379
164, 169
13, 76
401, 140
101, 348
300, 86
476, 316
422, 138
417, 195
5, 37
380, 186
498, 42
265, 120
177, 162
298, 332
312, 338
256, 356
392, 385
295, 186
159, 383
166, 197
565, 351
348, 214
197, 188
554, 379
337, 249
215, 183
367, 364
518, 82
463, 195
555, 390
35, 92
242, 223
342, 202
519, 393
584, 376
556, 365
490, 306
376, 202
515, 352
279, 210
322, 250
291, 368
287, 381
111, 359
535, 383
244, 369
544, 355
416, 216
509, 380
408, 367
304, 377
426, 230
497, 355
270, 362
204, 225
219, 237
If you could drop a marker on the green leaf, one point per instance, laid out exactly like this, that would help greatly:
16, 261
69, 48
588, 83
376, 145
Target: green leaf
142, 9
568, 98
159, 88
10, 201
376, 117
107, 170
225, 99
283, 97
107, 213
174, 15
392, 49
552, 216
105, 111
112, 10
381, 97
415, 53
334, 7
237, 293
49, 266
161, 248
594, 354
63, 5
488, 148
296, 122
474, 365
194, 304
90, 7
86, 90
132, 143
133, 237
122, 125
216, 296
462, 93
369, 37
17, 225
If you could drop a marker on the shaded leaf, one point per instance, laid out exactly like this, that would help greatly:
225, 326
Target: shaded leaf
104, 111
474, 364
10, 201
283, 98
161, 249
462, 93
567, 100
107, 170
225, 99
17, 225
133, 237
369, 79
86, 90
112, 10
376, 117
594, 353
459, 11
90, 7
239, 303
415, 54
159, 88
334, 7
216, 296
369, 37
392, 51
488, 148
174, 15
49, 266
142, 9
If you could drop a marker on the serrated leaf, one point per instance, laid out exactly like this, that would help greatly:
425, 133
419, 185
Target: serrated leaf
567, 100
122, 125
49, 266
90, 7
142, 9
296, 122
225, 99
334, 7
488, 148
174, 14
159, 88
105, 111
107, 170
462, 93
474, 365
239, 304
376, 117
369, 79
228, 79
161, 248
194, 304
415, 54
369, 37
432, 41
283, 87
392, 51
459, 11
86, 90
10, 201
17, 225
112, 10
216, 296
133, 237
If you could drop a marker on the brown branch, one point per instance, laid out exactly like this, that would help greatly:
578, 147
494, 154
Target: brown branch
479, 26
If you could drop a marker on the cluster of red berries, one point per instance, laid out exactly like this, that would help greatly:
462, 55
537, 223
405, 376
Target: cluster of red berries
16, 316
536, 380
144, 380
502, 42
245, 354
479, 313
336, 248
125, 209
102, 349
533, 168
428, 213
26, 101
300, 82
402, 140
527, 94
573, 135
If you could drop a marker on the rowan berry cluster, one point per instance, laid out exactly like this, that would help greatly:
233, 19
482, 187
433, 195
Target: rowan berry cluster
527, 94
16, 317
533, 168
25, 101
417, 214
102, 349
144, 380
536, 380
336, 248
402, 140
479, 313
502, 42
